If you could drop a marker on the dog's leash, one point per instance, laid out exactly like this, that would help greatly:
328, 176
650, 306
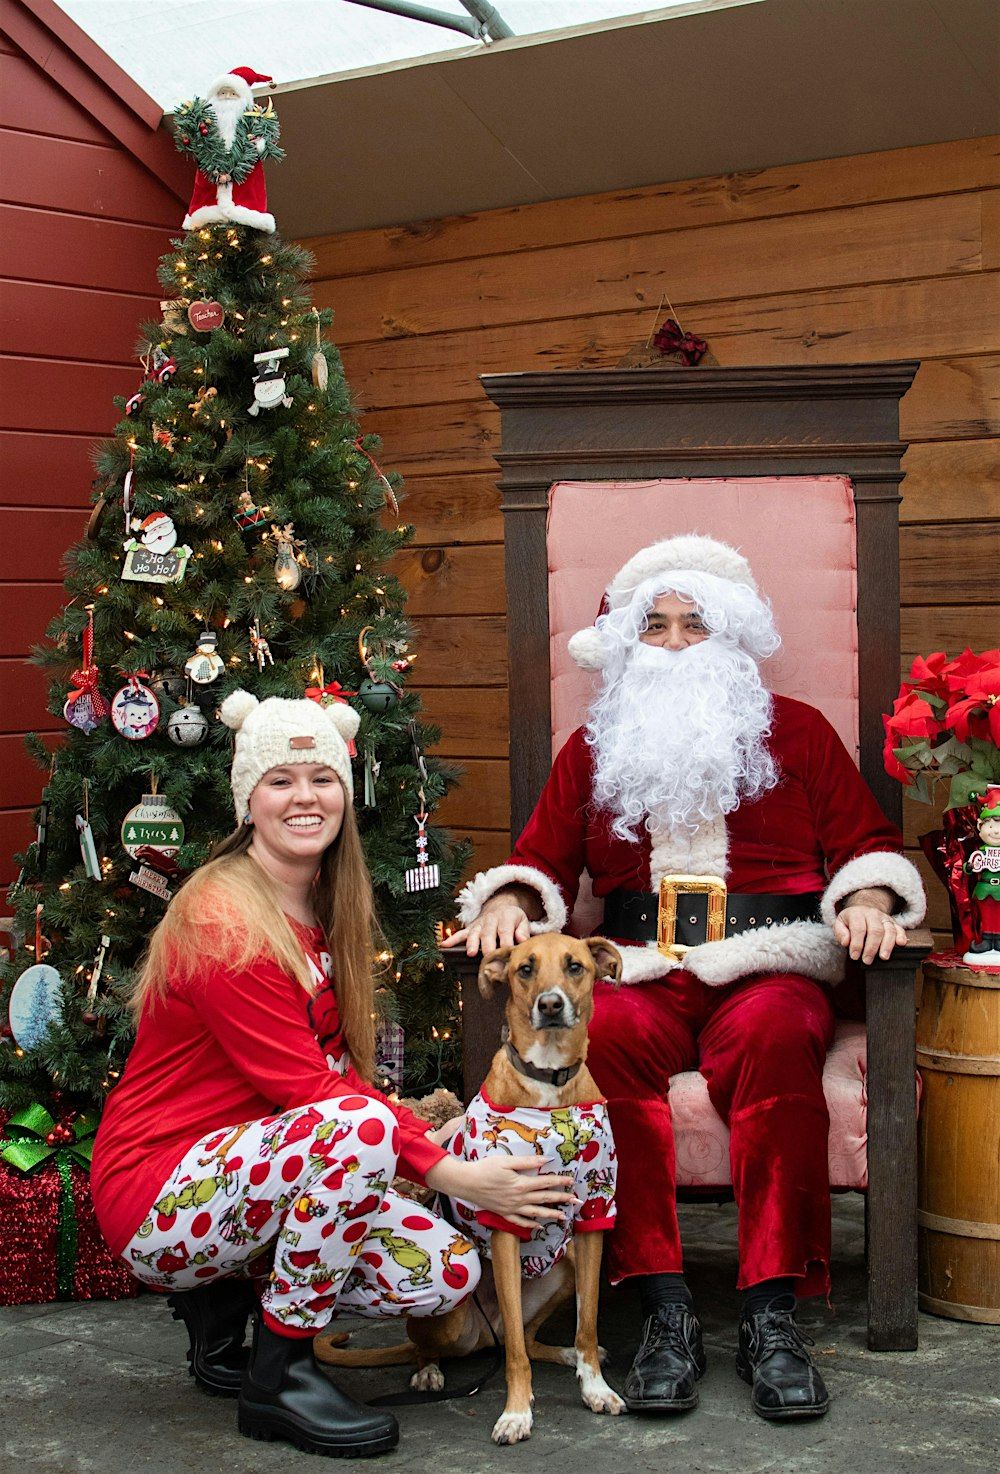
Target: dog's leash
446, 1394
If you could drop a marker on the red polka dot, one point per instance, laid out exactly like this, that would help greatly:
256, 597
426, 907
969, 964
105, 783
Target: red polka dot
165, 1221
381, 1279
354, 1231
206, 1273
292, 1168
590, 1151
458, 1141
416, 1222
371, 1132
233, 1165
353, 1103
215, 1141
327, 1230
258, 1173
455, 1276
201, 1225
395, 1138
375, 1260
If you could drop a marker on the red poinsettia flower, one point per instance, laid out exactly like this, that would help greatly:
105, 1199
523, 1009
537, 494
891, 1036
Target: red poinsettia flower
892, 764
965, 667
982, 702
912, 717
929, 674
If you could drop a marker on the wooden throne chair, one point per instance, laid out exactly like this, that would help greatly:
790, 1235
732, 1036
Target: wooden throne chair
800, 468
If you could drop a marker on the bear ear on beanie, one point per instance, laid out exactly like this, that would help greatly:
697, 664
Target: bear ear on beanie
344, 718
236, 708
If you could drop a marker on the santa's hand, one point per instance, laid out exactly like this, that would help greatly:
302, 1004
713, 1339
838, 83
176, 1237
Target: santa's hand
868, 933
496, 926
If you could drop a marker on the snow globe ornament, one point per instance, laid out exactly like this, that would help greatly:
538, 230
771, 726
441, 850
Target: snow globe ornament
269, 382
152, 822
188, 726
205, 665
135, 711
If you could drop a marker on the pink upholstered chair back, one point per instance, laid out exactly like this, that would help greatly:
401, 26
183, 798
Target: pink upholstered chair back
798, 533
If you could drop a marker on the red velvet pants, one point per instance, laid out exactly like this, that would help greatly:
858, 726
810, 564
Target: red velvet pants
761, 1044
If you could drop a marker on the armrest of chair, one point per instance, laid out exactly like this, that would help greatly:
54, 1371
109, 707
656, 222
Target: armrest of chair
482, 1019
892, 1145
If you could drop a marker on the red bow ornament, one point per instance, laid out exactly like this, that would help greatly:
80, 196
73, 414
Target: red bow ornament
326, 696
671, 338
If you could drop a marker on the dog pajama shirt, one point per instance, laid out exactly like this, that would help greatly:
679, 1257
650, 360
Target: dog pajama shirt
567, 1140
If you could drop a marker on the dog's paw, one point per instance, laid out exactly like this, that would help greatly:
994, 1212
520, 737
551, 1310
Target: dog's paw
597, 1395
512, 1427
429, 1378
602, 1354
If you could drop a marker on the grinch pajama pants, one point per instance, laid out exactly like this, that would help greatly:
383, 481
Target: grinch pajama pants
314, 1185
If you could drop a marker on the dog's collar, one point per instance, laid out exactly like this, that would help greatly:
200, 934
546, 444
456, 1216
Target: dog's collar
534, 1072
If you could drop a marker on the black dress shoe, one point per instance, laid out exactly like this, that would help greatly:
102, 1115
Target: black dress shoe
216, 1318
285, 1395
774, 1360
670, 1359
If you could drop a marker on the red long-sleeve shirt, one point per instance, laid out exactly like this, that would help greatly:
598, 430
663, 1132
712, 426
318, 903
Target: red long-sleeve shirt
220, 1049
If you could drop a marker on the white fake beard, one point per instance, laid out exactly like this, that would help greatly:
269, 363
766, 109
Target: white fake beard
228, 111
679, 737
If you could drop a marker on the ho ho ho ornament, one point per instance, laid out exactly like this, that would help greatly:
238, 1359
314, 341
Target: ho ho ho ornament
135, 711
156, 558
188, 726
269, 382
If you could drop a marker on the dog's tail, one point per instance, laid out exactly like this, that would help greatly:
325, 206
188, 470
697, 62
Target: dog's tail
332, 1349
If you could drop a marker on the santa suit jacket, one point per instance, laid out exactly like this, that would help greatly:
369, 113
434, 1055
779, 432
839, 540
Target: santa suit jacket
820, 829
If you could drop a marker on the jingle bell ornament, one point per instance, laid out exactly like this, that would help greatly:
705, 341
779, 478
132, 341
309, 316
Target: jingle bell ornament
378, 696
205, 666
188, 727
169, 683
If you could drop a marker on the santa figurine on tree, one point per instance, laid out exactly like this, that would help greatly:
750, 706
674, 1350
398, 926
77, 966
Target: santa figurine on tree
229, 135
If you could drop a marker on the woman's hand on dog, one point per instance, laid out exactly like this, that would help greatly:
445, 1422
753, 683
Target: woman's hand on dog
509, 1186
499, 924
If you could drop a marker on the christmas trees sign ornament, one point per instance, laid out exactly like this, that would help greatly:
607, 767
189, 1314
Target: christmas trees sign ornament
152, 821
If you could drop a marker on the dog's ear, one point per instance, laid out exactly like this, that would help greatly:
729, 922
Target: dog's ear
607, 957
493, 970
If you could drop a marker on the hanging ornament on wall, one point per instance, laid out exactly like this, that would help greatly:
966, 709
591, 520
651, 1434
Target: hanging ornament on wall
319, 367
188, 726
205, 665
88, 850
89, 1016
135, 711
269, 382
152, 821
388, 495
206, 316
34, 1003
85, 707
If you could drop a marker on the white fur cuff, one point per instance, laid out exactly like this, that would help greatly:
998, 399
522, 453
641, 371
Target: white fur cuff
643, 964
804, 947
883, 867
473, 896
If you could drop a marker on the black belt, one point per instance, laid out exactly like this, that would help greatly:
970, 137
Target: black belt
633, 915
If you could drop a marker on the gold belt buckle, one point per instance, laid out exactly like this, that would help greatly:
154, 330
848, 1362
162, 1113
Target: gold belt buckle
672, 886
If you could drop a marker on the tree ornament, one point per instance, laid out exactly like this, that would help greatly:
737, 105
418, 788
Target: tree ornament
169, 683
205, 666
173, 313
156, 867
206, 316
163, 437
88, 850
378, 696
152, 821
248, 514
229, 136
422, 876
34, 1003
329, 695
164, 365
156, 532
85, 707
135, 711
372, 769
388, 495
156, 558
187, 727
269, 382
287, 569
134, 404
199, 405
259, 648
42, 823
90, 1017
319, 367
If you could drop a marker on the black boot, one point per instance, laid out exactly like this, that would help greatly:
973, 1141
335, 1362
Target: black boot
774, 1360
285, 1395
216, 1318
670, 1359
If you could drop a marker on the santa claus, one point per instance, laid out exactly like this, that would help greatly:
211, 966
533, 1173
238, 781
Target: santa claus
229, 136
778, 863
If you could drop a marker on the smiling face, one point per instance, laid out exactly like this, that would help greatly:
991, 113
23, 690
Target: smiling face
551, 979
674, 623
297, 812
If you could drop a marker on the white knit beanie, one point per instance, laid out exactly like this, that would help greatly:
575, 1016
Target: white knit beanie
276, 732
689, 553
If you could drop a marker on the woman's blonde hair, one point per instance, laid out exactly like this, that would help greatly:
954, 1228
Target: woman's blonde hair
229, 912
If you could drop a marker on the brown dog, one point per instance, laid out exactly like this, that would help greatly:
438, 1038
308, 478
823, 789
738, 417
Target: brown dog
551, 979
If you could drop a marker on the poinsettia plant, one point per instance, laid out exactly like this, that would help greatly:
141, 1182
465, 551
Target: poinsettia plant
945, 724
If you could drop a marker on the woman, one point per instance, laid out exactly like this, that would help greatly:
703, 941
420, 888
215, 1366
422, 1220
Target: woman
245, 1123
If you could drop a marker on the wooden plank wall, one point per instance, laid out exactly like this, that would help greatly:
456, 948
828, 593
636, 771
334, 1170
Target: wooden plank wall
82, 226
879, 256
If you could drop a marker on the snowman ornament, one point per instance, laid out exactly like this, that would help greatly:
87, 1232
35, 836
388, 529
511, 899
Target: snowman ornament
269, 382
205, 665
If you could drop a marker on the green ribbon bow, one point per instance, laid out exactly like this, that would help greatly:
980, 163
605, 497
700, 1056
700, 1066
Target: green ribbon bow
24, 1147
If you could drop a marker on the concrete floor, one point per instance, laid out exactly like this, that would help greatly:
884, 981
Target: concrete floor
99, 1389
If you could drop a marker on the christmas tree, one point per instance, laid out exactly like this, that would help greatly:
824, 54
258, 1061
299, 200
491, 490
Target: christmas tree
241, 536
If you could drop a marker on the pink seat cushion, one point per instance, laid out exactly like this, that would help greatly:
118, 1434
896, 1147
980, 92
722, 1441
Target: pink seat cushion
798, 533
702, 1140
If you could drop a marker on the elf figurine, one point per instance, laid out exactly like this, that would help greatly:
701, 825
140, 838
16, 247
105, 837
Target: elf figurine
229, 135
984, 866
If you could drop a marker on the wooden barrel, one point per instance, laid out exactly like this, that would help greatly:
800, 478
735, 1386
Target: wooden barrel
958, 1052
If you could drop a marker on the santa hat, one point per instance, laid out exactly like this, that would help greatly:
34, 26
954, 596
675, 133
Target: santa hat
991, 804
690, 553
242, 79
276, 732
